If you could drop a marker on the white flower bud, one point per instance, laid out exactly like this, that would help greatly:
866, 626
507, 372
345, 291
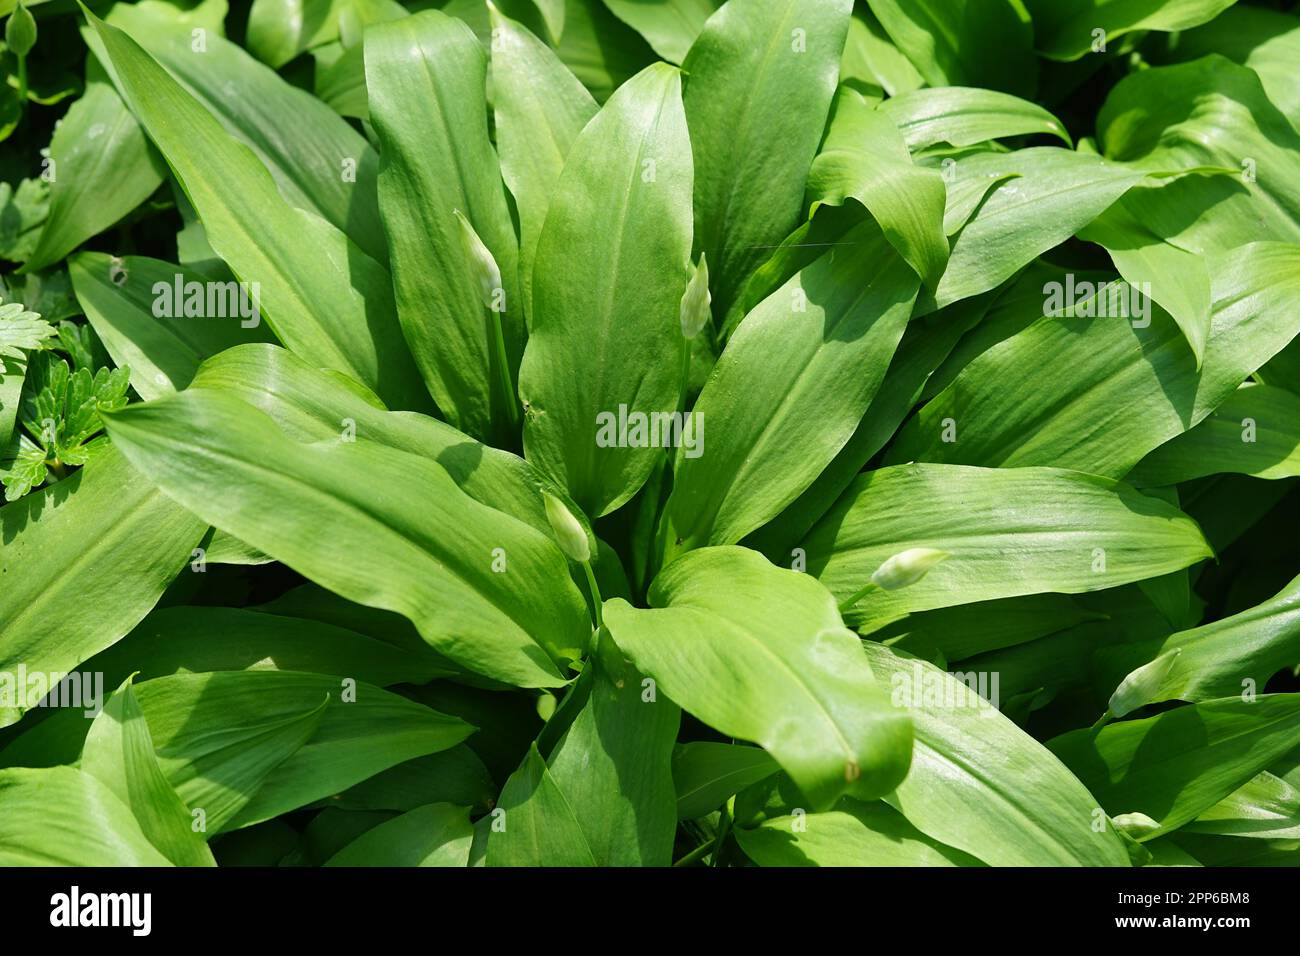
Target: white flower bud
696, 300
480, 256
568, 533
907, 567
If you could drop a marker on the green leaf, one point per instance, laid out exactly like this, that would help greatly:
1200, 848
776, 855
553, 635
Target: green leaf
952, 42
611, 267
1267, 41
119, 752
1070, 29
278, 30
1267, 807
162, 336
794, 682
1053, 193
324, 297
491, 623
1207, 114
318, 161
707, 774
853, 834
1178, 280
669, 26
1100, 392
21, 331
1008, 531
539, 108
871, 58
1176, 765
83, 562
980, 784
247, 746
967, 116
63, 817
435, 835
788, 391
179, 640
1237, 654
864, 157
761, 78
312, 405
614, 765
430, 169
533, 823
1256, 431
104, 168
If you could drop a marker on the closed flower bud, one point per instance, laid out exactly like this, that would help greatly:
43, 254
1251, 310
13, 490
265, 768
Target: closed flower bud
481, 258
20, 31
907, 567
696, 301
572, 539
1141, 685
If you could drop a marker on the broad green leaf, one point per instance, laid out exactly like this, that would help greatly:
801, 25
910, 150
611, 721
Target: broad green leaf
601, 50
63, 817
1101, 391
324, 297
312, 405
614, 765
925, 343
1178, 280
104, 168
1009, 532
512, 626
1237, 654
761, 78
455, 776
119, 753
707, 774
1265, 808
669, 26
539, 108
864, 158
318, 162
788, 391
969, 629
426, 78
980, 784
247, 746
967, 116
1174, 766
1255, 431
964, 42
83, 562
759, 653
1054, 193
1069, 29
1267, 41
179, 640
853, 834
605, 341
533, 823
158, 319
278, 30
1212, 114
438, 834
870, 57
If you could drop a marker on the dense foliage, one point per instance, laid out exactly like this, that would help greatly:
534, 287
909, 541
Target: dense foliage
359, 505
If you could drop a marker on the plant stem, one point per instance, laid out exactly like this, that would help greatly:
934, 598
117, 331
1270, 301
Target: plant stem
503, 367
595, 593
700, 851
22, 84
856, 596
686, 380
724, 827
